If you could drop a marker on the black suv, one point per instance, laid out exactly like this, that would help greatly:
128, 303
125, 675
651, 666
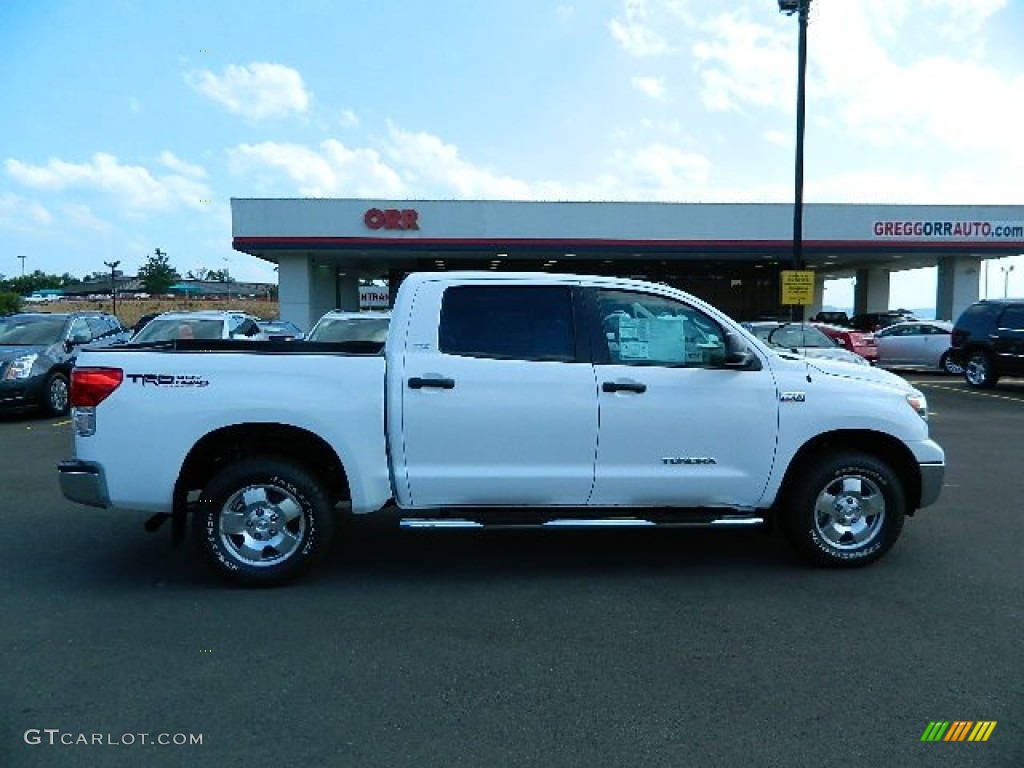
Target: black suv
988, 340
38, 350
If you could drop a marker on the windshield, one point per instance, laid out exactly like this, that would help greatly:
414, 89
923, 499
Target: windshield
172, 329
350, 329
31, 330
794, 336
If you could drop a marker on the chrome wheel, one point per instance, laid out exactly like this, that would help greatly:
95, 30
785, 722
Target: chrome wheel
57, 394
849, 512
977, 372
262, 525
950, 366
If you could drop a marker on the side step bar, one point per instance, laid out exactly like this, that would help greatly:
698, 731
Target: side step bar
734, 521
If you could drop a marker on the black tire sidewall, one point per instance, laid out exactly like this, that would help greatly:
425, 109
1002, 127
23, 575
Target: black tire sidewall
799, 519
316, 510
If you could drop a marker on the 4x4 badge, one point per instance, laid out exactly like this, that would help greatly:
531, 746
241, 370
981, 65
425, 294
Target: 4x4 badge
792, 397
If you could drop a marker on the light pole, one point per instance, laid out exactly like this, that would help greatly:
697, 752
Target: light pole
23, 264
113, 284
1006, 279
800, 8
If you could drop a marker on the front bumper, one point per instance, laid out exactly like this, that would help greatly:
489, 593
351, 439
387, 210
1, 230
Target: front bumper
21, 394
84, 483
931, 483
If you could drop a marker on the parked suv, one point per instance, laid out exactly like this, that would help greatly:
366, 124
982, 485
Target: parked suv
38, 350
988, 339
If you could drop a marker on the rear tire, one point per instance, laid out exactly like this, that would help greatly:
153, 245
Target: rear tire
844, 512
950, 366
978, 371
263, 522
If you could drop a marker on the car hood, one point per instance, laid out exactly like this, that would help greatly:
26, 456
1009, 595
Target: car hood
834, 353
861, 373
10, 351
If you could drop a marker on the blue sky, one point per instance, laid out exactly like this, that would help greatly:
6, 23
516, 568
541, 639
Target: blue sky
128, 125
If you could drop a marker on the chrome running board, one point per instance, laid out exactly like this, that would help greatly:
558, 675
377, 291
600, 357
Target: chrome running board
728, 521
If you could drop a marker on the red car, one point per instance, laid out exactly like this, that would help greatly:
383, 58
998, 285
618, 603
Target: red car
859, 342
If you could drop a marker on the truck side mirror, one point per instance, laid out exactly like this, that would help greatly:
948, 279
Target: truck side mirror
738, 354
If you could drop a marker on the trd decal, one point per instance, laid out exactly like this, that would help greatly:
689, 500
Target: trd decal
166, 380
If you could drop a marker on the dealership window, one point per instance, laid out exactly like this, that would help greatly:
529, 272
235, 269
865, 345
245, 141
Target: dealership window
508, 322
644, 329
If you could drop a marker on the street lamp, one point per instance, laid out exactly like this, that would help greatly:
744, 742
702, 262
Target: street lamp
1006, 279
23, 264
799, 7
113, 285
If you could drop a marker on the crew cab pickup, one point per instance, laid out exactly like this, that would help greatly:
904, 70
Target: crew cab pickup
502, 399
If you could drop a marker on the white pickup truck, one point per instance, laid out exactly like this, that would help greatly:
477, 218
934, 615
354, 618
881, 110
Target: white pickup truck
502, 399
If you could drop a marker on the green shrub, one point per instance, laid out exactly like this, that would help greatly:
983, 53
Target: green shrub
9, 302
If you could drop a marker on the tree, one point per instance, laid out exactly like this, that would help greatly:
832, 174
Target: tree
9, 302
157, 274
35, 281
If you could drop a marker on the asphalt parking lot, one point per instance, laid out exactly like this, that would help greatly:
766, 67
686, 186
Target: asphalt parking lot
604, 648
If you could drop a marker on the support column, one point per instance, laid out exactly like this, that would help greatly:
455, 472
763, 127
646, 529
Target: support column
956, 286
347, 292
871, 291
294, 281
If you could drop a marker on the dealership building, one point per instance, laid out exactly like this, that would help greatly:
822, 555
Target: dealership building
735, 256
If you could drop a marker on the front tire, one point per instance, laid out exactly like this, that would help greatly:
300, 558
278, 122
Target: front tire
263, 522
845, 512
56, 394
978, 372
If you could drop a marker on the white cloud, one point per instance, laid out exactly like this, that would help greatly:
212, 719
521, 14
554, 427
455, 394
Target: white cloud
172, 161
17, 213
257, 91
947, 94
636, 32
652, 86
743, 63
348, 119
334, 170
132, 186
425, 161
80, 216
659, 172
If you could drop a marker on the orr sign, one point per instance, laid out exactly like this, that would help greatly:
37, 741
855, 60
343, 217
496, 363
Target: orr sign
392, 218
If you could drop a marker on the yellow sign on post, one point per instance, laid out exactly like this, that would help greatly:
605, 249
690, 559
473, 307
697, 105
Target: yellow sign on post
797, 286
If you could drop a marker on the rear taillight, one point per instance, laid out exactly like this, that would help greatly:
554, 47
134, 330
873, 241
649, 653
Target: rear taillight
957, 338
91, 386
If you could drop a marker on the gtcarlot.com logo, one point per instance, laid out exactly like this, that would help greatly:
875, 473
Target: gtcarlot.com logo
57, 737
958, 730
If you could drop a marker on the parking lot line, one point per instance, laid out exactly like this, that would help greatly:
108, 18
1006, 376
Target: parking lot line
990, 395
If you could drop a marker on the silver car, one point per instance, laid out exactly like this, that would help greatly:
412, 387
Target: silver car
920, 344
803, 339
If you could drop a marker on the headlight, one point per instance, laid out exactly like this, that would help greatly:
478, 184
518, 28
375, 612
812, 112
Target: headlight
20, 367
919, 403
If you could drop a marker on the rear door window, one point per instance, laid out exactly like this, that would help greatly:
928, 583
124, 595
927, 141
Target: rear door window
514, 322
